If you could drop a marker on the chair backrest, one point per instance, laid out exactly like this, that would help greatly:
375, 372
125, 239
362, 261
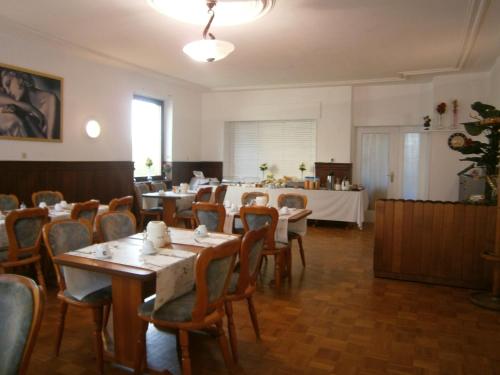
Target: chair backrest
66, 235
8, 202
47, 196
203, 195
220, 194
292, 200
24, 231
210, 214
250, 257
158, 185
139, 189
121, 204
21, 308
249, 196
256, 217
214, 268
85, 210
115, 225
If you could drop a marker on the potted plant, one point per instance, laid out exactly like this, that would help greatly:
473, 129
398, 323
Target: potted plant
149, 164
302, 168
263, 168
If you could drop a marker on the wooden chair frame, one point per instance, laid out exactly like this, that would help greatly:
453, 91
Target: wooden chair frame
249, 195
91, 205
100, 309
245, 288
219, 190
123, 201
201, 192
14, 251
155, 213
38, 307
295, 236
204, 206
204, 315
34, 196
13, 197
101, 216
282, 259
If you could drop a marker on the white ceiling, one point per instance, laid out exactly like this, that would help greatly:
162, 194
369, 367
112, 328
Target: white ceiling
299, 43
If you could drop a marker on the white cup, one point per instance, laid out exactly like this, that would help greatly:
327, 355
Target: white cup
42, 205
284, 210
161, 192
201, 231
260, 201
102, 251
58, 207
64, 204
148, 247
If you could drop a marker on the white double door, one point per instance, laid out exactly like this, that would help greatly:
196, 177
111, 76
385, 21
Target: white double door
392, 162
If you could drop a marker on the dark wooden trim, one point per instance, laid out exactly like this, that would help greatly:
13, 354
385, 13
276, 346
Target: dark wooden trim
78, 181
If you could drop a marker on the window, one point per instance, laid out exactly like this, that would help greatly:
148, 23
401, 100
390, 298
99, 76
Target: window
147, 136
283, 145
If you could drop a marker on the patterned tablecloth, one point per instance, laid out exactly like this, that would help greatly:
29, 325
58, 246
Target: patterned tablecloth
53, 214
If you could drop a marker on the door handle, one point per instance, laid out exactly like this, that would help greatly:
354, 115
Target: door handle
391, 177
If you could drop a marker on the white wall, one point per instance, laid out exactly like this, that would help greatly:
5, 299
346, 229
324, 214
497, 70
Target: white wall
494, 97
329, 106
101, 89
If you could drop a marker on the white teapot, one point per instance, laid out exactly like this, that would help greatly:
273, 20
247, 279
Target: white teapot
157, 233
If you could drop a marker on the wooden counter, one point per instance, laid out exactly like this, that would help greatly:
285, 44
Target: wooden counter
434, 242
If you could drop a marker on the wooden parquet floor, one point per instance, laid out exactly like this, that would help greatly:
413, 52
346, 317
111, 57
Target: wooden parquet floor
335, 318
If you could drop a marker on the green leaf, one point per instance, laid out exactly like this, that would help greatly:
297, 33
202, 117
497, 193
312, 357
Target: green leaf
473, 128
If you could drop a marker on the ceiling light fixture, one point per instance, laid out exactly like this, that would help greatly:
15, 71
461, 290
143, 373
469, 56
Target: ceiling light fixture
229, 12
208, 49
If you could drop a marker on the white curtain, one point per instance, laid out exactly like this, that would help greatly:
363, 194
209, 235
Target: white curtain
375, 165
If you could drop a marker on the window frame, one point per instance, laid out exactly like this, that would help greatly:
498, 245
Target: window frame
161, 103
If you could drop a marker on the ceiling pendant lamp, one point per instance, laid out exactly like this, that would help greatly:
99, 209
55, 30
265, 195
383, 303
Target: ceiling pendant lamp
208, 49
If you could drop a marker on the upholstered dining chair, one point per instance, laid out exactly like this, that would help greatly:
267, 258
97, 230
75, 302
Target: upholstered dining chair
115, 225
121, 204
255, 217
158, 185
47, 196
21, 308
8, 202
24, 233
243, 282
210, 214
154, 213
294, 201
202, 195
85, 210
69, 235
202, 308
249, 196
220, 194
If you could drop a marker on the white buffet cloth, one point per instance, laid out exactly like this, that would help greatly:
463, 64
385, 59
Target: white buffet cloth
54, 216
349, 206
282, 228
175, 269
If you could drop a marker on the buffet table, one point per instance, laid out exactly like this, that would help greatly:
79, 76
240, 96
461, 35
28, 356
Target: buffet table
349, 206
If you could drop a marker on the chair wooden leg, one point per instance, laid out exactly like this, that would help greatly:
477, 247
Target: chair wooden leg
253, 316
288, 259
231, 330
301, 248
97, 312
277, 270
186, 360
140, 351
221, 338
141, 223
60, 328
39, 275
107, 310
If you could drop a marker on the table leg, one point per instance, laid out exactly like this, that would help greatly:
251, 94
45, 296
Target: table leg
128, 294
169, 209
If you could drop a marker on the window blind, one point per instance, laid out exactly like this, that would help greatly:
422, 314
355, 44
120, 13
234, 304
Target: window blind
283, 145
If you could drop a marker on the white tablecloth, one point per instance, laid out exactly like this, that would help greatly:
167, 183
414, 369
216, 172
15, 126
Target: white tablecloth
349, 206
53, 214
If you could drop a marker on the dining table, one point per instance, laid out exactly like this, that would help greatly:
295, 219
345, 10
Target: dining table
170, 200
61, 214
134, 277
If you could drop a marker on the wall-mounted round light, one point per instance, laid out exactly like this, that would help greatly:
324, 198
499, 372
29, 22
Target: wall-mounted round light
93, 129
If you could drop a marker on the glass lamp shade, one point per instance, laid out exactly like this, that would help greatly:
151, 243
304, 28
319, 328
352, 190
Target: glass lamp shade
93, 129
208, 50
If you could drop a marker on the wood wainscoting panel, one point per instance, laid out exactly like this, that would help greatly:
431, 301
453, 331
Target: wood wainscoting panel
77, 180
434, 242
182, 171
341, 170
